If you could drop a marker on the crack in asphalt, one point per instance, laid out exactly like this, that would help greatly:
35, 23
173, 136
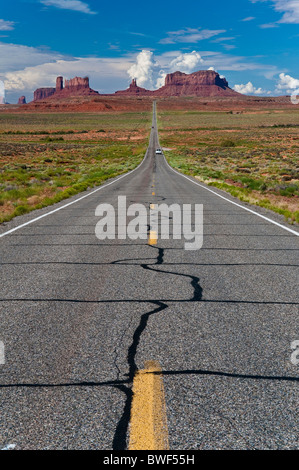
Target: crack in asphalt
120, 436
197, 289
116, 349
121, 432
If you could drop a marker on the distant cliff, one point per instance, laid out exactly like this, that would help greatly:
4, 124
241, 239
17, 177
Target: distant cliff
74, 86
77, 83
203, 83
42, 93
134, 90
22, 100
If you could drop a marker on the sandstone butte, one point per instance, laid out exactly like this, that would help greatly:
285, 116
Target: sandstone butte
75, 86
22, 100
206, 87
203, 83
135, 90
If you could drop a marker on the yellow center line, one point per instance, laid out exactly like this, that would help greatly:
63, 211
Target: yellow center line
153, 237
153, 193
148, 423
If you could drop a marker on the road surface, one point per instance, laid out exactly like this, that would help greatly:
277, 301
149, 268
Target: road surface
79, 316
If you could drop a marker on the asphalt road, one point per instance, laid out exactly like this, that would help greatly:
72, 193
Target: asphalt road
79, 316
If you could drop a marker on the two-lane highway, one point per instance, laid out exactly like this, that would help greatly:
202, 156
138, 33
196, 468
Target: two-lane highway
80, 316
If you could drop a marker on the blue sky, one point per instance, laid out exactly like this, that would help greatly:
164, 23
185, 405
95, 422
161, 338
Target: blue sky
253, 43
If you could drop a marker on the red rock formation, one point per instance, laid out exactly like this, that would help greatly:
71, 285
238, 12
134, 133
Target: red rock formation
73, 87
22, 100
42, 93
77, 83
203, 83
134, 90
59, 83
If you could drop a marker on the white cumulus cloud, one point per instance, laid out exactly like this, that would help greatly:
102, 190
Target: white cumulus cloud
187, 62
145, 69
161, 79
150, 74
287, 83
249, 89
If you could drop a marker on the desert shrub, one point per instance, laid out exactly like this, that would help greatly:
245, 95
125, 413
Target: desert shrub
54, 139
288, 190
20, 210
228, 143
251, 183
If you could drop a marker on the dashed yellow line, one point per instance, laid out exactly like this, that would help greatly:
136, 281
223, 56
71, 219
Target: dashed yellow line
148, 423
153, 237
153, 193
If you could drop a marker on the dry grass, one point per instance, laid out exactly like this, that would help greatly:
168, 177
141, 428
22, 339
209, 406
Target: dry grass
47, 158
254, 156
